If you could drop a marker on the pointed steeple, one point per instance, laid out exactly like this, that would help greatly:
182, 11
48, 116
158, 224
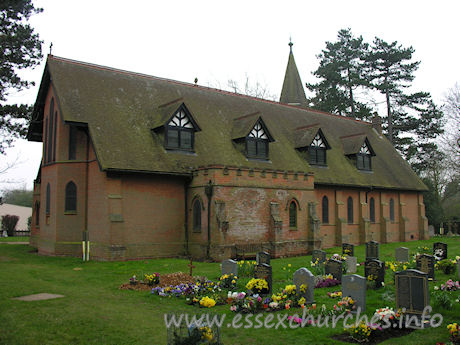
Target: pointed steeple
293, 92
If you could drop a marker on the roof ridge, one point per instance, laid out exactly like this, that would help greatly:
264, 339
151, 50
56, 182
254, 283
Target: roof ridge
307, 126
247, 115
352, 135
117, 70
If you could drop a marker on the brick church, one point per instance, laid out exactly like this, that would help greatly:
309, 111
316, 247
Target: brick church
147, 167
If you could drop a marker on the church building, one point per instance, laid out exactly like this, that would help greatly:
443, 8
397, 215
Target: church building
147, 167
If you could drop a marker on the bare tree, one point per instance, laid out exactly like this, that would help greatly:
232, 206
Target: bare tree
451, 137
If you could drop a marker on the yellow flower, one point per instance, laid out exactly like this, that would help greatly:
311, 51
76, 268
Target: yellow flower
289, 265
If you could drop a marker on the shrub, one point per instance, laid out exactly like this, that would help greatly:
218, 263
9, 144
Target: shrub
9, 223
442, 300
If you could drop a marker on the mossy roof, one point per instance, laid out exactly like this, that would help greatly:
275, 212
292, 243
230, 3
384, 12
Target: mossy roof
121, 108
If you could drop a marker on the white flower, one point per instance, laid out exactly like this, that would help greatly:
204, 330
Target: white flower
436, 287
383, 284
234, 295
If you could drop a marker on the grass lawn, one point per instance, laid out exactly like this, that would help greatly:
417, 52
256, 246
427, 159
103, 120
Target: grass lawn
14, 239
95, 311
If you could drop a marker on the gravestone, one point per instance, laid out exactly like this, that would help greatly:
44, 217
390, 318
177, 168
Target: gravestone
372, 250
431, 230
319, 255
402, 254
264, 271
458, 268
441, 248
354, 286
334, 267
348, 249
304, 276
425, 263
412, 291
352, 262
229, 267
376, 268
263, 258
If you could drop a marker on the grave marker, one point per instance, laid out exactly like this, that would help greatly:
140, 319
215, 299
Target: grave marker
263, 258
354, 286
304, 276
425, 263
348, 249
402, 254
334, 267
412, 291
229, 267
264, 271
440, 250
376, 268
352, 262
372, 250
319, 255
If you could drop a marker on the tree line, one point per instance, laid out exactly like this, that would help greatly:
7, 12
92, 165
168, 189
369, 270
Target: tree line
352, 73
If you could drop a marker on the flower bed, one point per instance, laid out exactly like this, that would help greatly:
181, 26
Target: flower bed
325, 281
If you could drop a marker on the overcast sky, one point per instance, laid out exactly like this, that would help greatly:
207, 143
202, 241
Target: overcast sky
215, 41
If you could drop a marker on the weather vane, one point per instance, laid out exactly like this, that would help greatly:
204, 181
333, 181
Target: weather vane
51, 47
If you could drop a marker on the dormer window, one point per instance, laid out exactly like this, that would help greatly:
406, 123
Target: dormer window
363, 158
317, 151
257, 142
180, 131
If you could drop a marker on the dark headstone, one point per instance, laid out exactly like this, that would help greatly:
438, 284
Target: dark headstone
402, 254
263, 258
440, 250
458, 268
264, 271
348, 249
319, 255
354, 286
376, 268
412, 291
304, 276
334, 267
372, 250
425, 263
229, 267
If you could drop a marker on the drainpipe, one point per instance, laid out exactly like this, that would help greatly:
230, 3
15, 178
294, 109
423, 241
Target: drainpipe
208, 191
86, 235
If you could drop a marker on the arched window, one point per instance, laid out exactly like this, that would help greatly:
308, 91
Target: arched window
292, 214
48, 199
325, 210
197, 215
372, 210
257, 142
350, 210
54, 137
50, 132
37, 214
45, 143
70, 197
392, 210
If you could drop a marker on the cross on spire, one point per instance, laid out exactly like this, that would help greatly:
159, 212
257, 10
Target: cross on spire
290, 43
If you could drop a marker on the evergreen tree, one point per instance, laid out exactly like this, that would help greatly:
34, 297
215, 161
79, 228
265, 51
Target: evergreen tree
20, 49
341, 74
390, 71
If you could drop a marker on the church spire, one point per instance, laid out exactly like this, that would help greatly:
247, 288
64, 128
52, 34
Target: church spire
293, 92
